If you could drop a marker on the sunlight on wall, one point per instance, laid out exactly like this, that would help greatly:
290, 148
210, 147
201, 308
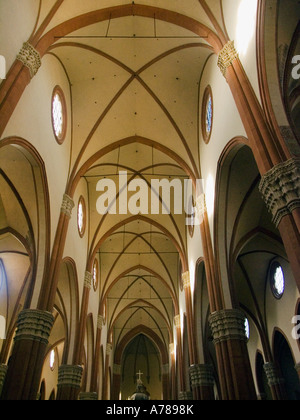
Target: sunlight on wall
246, 24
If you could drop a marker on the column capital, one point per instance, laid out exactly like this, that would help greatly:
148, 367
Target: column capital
177, 321
100, 322
186, 281
185, 396
272, 374
280, 188
88, 278
34, 325
109, 349
228, 324
67, 206
88, 396
227, 56
30, 57
202, 375
70, 376
201, 206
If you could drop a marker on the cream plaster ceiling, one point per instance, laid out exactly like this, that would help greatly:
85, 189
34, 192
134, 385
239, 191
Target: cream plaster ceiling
135, 91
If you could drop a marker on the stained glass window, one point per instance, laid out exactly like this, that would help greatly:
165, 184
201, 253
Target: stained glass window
207, 114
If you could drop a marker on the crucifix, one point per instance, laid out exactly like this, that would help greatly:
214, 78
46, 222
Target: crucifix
139, 374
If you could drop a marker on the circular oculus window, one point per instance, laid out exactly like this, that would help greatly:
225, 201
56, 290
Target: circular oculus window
59, 115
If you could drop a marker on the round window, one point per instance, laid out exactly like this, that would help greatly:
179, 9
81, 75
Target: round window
277, 280
207, 114
59, 115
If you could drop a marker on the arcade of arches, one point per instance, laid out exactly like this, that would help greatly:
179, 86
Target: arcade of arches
165, 90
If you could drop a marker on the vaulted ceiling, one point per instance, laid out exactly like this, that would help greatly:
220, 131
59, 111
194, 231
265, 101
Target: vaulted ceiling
134, 72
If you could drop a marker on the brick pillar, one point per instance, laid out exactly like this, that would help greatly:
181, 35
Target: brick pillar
203, 381
69, 382
276, 383
26, 363
235, 374
88, 396
185, 396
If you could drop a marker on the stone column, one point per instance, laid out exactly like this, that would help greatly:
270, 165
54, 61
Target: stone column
203, 381
275, 382
26, 363
235, 374
69, 382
